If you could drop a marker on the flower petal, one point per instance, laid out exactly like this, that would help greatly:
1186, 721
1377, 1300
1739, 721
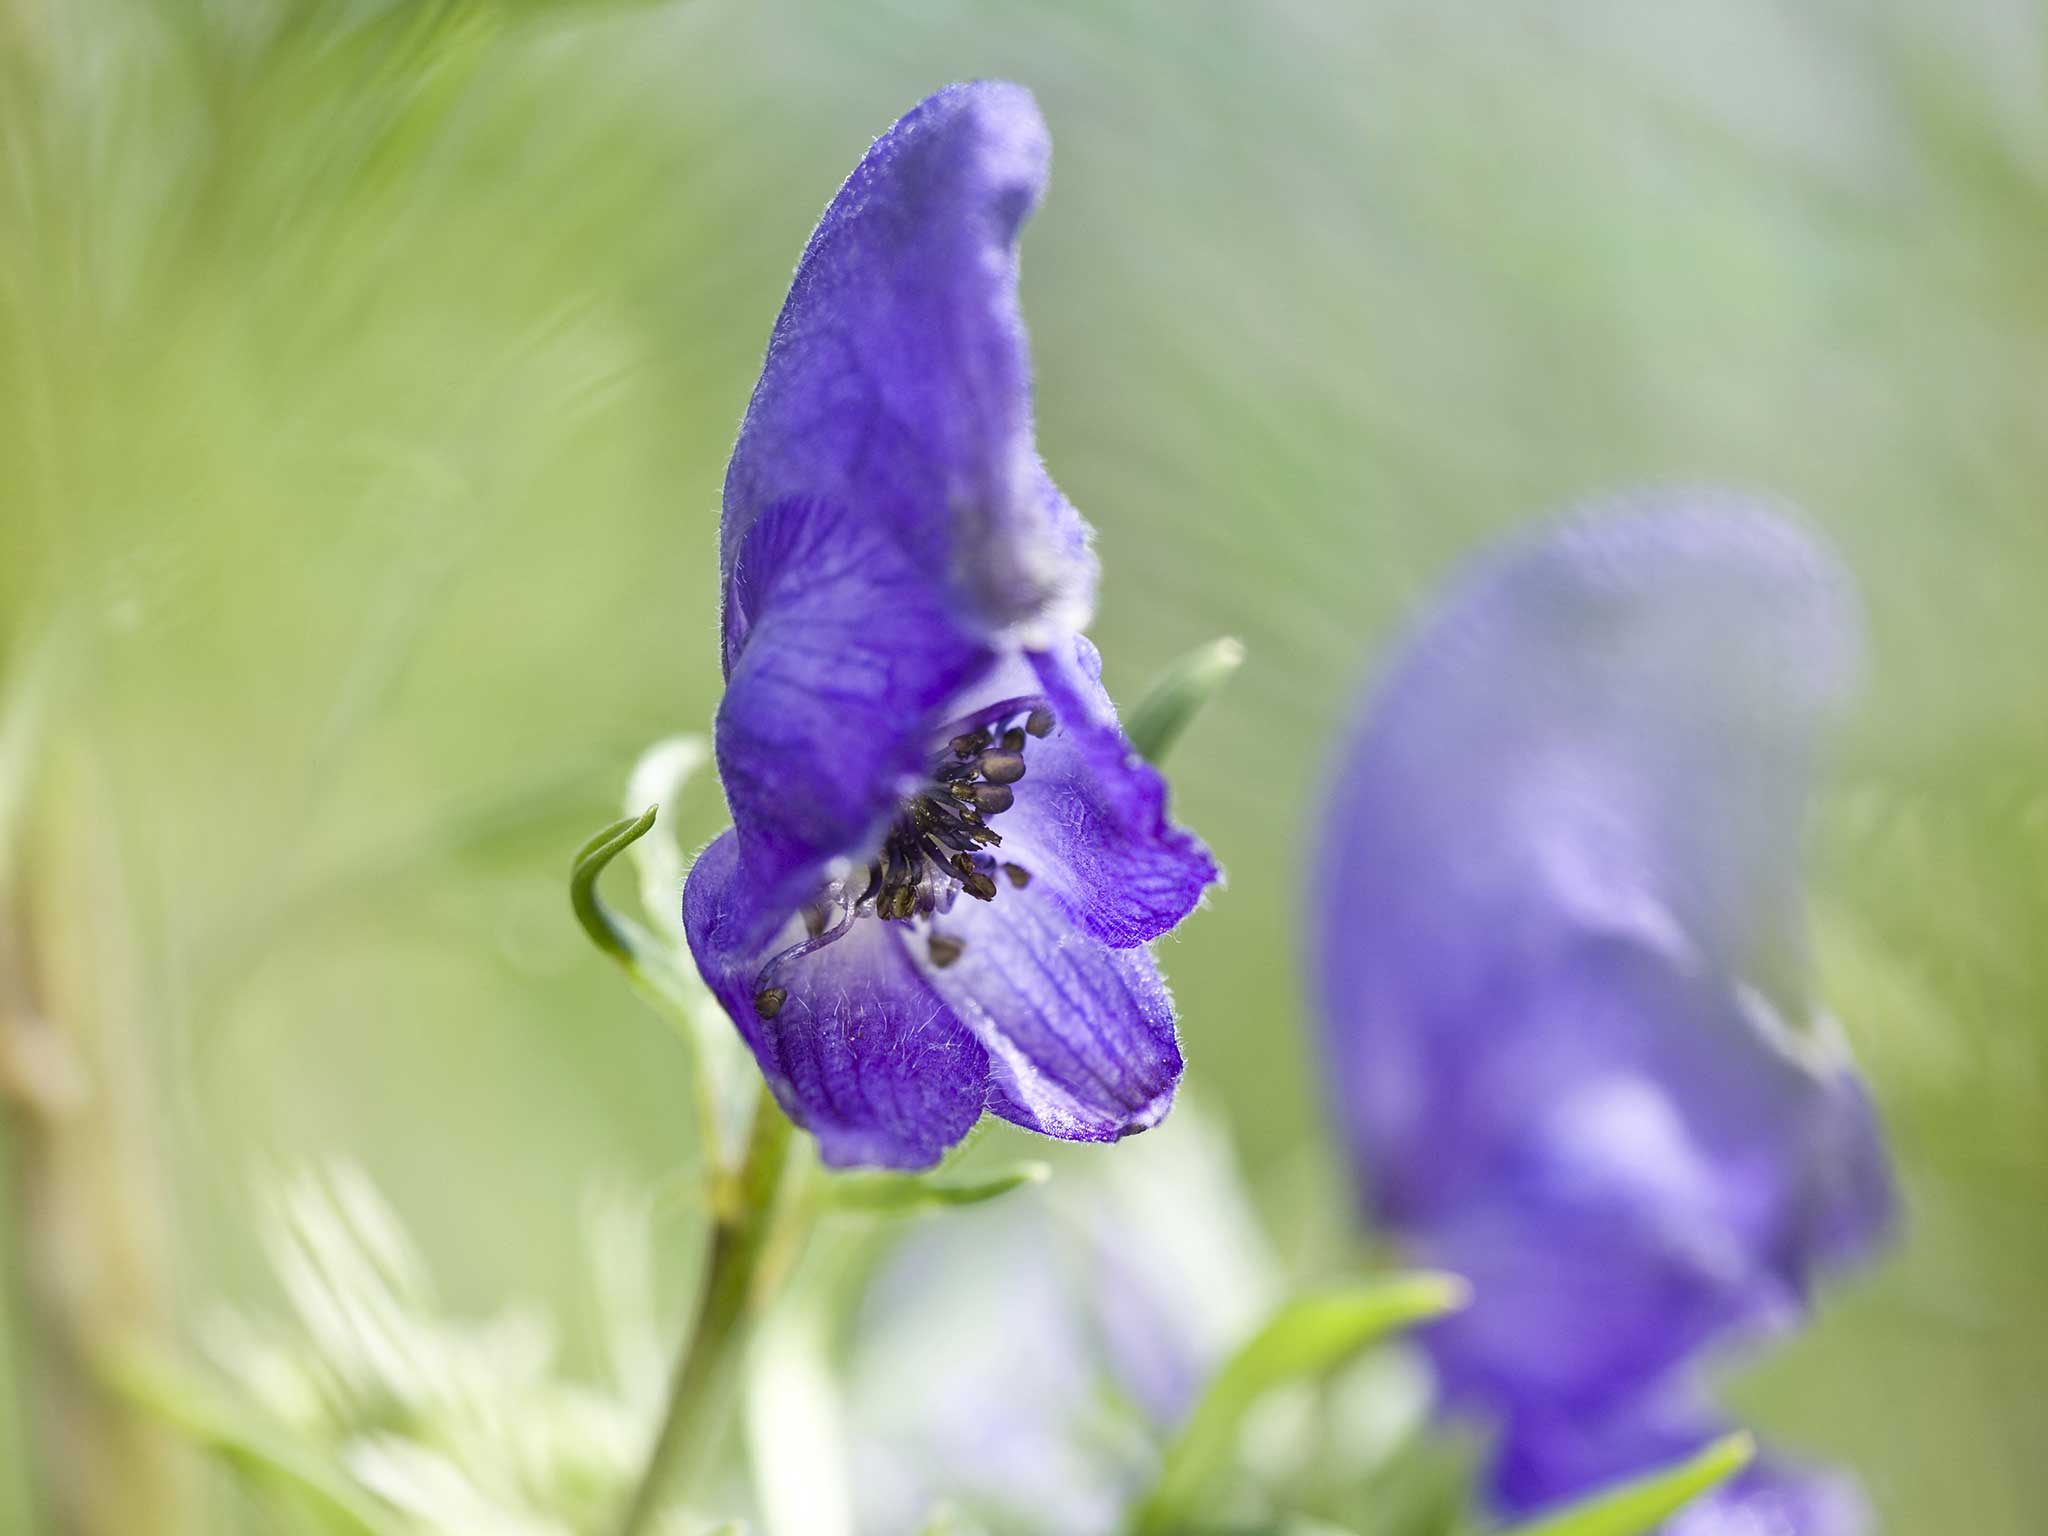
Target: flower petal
848, 655
1548, 1460
1630, 1172
863, 1053
1080, 1037
1597, 747
1773, 1497
898, 379
1561, 953
1090, 816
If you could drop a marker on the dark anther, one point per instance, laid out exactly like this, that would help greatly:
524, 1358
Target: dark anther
932, 852
1004, 767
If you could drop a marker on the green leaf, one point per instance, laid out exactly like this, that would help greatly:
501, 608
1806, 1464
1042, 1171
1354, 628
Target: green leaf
663, 973
1158, 719
899, 1194
1308, 1336
617, 936
1645, 1503
258, 1451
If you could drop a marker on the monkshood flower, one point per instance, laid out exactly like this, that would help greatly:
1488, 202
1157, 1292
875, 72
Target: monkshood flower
945, 860
1560, 951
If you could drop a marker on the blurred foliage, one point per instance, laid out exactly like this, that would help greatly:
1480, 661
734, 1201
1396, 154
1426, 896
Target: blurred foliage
366, 376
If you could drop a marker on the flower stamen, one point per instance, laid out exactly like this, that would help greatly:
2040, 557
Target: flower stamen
935, 849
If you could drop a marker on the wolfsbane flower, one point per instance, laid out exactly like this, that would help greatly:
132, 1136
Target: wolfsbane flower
1559, 943
945, 859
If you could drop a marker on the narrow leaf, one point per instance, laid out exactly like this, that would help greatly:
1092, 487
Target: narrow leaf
1307, 1337
607, 930
1158, 719
1642, 1504
903, 1193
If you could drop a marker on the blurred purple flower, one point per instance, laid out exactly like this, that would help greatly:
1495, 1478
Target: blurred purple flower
1024, 1361
911, 715
1562, 967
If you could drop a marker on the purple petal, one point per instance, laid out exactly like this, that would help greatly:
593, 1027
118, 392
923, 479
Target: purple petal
898, 379
1635, 1183
1549, 1460
863, 1053
1561, 954
847, 658
1080, 1037
1090, 818
1771, 1499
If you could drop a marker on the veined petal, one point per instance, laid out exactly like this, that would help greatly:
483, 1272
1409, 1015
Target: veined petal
863, 1053
898, 379
1080, 1037
1090, 817
849, 657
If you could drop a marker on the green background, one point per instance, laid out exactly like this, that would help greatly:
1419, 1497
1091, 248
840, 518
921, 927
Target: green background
366, 381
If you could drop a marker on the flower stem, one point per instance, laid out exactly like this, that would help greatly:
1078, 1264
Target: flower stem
736, 1287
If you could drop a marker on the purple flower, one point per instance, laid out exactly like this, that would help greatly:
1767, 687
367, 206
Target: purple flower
1563, 975
945, 860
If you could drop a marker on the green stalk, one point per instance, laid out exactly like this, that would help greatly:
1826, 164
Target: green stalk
736, 1289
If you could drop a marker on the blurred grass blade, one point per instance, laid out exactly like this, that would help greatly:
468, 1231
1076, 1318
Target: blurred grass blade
1638, 1507
796, 1431
260, 1452
1308, 1336
1157, 720
903, 1193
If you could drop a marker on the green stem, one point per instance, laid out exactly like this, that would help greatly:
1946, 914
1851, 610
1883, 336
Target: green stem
737, 1285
